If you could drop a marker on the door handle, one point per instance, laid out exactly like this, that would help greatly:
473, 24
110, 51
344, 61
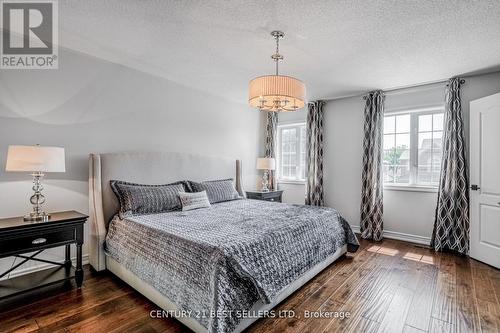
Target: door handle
474, 187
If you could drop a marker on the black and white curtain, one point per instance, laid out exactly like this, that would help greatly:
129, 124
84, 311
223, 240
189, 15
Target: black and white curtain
372, 206
314, 154
451, 225
270, 145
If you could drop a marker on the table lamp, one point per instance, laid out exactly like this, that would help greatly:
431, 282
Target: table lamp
36, 160
266, 164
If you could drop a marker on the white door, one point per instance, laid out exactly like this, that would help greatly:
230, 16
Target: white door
485, 179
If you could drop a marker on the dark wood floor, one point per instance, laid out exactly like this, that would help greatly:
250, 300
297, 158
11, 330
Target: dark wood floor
386, 287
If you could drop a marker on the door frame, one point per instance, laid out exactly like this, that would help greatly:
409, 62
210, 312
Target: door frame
475, 108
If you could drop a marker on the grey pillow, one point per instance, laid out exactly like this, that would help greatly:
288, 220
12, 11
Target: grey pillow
194, 200
139, 199
217, 190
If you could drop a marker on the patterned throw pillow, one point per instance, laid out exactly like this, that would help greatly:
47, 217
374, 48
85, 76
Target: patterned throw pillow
194, 200
217, 190
139, 199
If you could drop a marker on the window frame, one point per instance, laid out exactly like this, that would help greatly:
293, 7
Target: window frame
414, 113
280, 127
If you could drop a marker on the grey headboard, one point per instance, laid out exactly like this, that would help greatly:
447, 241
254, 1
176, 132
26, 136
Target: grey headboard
144, 168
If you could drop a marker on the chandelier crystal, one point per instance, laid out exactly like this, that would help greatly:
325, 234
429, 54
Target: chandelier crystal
277, 92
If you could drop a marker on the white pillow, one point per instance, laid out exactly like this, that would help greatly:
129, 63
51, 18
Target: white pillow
194, 200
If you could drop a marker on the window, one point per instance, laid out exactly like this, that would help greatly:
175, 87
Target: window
291, 156
413, 148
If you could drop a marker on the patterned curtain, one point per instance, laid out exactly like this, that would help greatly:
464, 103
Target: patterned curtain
271, 128
314, 154
451, 225
372, 207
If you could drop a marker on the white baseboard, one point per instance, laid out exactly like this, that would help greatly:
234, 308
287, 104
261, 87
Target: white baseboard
400, 236
43, 266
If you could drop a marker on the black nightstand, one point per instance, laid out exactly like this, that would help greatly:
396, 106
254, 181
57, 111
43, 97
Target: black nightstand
267, 196
18, 237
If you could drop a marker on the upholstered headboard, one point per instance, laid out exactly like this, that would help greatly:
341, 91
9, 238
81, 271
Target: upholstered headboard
144, 168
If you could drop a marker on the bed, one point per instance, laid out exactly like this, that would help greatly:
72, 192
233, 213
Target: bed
224, 266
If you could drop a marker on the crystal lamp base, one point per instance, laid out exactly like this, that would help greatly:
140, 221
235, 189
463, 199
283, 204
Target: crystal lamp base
37, 217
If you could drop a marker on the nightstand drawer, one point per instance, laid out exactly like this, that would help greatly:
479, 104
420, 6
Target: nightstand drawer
270, 195
273, 196
33, 241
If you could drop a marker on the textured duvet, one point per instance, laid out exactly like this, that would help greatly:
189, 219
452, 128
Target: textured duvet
215, 262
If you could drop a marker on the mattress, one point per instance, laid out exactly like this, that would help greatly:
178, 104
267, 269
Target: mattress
217, 262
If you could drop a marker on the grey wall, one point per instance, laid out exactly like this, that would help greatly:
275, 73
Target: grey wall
405, 212
91, 105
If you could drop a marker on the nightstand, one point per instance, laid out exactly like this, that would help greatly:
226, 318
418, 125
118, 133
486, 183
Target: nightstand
18, 237
266, 196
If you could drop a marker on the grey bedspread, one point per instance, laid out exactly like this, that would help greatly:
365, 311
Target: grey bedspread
218, 261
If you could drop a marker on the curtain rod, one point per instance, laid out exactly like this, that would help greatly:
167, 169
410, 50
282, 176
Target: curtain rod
462, 81
464, 76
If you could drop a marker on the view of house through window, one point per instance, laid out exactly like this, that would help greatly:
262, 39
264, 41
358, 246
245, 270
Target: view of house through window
291, 155
413, 148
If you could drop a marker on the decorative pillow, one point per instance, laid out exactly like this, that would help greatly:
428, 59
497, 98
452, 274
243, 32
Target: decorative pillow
217, 190
137, 199
194, 200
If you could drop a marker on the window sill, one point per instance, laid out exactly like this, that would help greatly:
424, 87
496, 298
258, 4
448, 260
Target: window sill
293, 182
411, 188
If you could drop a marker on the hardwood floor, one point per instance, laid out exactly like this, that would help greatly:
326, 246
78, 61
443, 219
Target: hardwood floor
390, 286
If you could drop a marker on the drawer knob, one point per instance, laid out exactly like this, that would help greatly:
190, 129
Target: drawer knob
39, 241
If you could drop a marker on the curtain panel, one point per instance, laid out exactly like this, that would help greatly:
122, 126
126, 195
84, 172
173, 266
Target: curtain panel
372, 207
451, 225
314, 154
270, 145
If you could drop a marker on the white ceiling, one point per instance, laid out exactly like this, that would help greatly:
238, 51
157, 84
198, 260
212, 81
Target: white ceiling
338, 48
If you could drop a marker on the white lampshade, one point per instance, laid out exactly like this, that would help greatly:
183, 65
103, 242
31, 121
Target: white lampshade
35, 159
277, 93
266, 163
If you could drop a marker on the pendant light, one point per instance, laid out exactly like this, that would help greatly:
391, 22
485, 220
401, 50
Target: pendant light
277, 93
